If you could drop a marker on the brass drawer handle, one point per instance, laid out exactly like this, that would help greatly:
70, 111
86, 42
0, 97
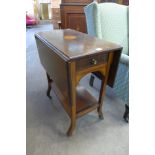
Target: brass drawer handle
93, 62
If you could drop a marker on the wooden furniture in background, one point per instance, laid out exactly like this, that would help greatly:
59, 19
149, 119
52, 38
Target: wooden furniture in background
72, 14
67, 56
55, 17
55, 9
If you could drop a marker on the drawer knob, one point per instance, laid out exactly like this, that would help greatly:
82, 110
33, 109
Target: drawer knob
93, 62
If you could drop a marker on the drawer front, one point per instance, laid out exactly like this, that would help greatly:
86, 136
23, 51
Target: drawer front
91, 61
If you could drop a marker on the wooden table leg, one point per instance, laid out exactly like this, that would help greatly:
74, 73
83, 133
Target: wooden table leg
103, 88
72, 95
91, 81
72, 125
49, 80
102, 92
59, 24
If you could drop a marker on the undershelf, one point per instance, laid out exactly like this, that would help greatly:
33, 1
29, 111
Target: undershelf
85, 102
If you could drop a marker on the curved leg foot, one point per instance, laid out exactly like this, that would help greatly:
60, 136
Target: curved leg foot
71, 128
49, 86
100, 114
48, 92
126, 113
70, 131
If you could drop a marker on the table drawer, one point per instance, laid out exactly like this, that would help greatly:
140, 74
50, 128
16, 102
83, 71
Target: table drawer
91, 61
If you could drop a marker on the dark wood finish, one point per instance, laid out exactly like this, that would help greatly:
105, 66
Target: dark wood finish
73, 17
85, 101
70, 44
113, 68
103, 87
91, 61
72, 14
113, 71
63, 53
72, 95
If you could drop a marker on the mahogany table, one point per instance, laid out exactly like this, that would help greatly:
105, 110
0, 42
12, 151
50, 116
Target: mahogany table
67, 56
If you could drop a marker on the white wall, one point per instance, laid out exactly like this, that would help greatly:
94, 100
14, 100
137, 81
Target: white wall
55, 3
29, 6
44, 1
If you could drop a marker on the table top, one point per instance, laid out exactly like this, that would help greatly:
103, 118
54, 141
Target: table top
72, 44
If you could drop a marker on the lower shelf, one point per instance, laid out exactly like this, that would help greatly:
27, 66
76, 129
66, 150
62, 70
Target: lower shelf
85, 102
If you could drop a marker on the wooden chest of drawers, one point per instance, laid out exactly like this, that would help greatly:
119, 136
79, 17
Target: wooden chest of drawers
72, 14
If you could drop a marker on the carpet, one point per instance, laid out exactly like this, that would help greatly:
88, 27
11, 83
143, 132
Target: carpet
47, 122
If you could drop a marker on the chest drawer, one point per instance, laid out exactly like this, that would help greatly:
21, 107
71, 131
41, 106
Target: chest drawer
91, 61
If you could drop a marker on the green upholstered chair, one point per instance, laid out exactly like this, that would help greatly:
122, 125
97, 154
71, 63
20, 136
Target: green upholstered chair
109, 21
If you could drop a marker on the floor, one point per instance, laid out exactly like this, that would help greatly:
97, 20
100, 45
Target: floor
47, 122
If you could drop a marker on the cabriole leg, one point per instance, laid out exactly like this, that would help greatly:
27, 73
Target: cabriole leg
102, 92
49, 80
100, 114
103, 87
72, 127
126, 113
91, 82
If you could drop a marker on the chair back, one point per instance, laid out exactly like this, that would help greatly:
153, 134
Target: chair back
108, 21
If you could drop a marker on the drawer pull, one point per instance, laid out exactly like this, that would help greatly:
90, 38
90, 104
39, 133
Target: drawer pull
93, 62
